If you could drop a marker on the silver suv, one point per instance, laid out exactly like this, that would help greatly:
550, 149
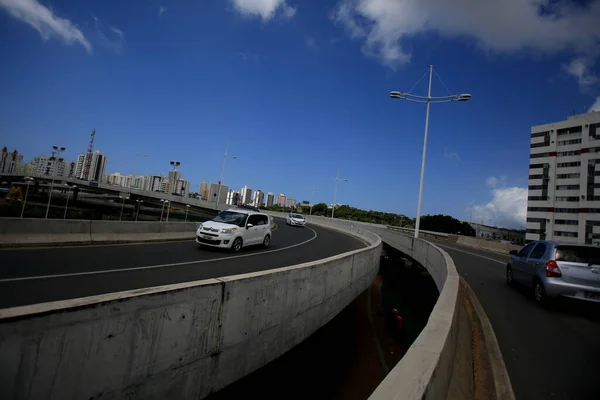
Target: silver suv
555, 269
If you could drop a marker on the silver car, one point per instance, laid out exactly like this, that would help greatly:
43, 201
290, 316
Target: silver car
555, 269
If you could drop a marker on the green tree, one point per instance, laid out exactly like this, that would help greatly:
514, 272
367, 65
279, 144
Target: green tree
446, 224
319, 209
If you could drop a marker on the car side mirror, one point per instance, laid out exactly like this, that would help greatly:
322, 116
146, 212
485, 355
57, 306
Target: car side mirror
513, 252
249, 226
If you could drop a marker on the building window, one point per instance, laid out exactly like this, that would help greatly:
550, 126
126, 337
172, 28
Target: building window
569, 164
567, 187
541, 209
568, 142
565, 234
594, 128
531, 230
569, 131
537, 198
536, 145
533, 166
593, 210
538, 187
568, 153
567, 210
540, 134
540, 155
566, 222
539, 176
568, 198
567, 176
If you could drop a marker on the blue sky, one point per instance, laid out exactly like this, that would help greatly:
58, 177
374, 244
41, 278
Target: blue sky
299, 89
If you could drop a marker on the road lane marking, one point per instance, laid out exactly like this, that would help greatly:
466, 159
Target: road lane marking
29, 278
474, 254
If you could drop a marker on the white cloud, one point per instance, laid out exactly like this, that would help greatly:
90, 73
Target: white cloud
507, 26
265, 9
507, 209
582, 69
45, 22
452, 156
492, 181
161, 10
311, 43
118, 32
596, 105
113, 41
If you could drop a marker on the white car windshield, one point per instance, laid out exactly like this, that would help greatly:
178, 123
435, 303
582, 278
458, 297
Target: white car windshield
230, 217
297, 216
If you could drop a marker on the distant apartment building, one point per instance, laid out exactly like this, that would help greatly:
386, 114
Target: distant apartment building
204, 190
181, 187
157, 183
10, 161
270, 199
97, 170
258, 198
214, 190
563, 200
291, 202
246, 195
233, 197
55, 167
174, 176
281, 200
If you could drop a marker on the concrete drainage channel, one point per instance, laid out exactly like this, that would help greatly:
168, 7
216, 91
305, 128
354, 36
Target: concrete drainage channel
189, 340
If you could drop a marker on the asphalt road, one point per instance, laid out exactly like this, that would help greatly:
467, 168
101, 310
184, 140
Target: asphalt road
549, 353
29, 276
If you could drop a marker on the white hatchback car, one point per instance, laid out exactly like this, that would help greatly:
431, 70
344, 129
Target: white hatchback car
295, 219
234, 229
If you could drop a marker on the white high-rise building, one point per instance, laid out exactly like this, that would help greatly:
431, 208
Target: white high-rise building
97, 169
204, 190
53, 167
233, 197
563, 200
258, 198
181, 187
270, 199
246, 195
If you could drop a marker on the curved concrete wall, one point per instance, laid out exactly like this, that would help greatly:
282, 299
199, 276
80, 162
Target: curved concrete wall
427, 369
178, 341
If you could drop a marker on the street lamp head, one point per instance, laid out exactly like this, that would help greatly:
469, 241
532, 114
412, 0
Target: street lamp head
464, 97
187, 205
55, 147
62, 148
233, 156
397, 95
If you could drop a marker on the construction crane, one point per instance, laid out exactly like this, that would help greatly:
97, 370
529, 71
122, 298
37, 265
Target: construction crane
88, 157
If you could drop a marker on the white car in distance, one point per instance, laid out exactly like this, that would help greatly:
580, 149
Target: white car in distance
234, 229
295, 220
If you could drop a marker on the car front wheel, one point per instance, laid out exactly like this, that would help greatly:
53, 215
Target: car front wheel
267, 241
236, 245
539, 293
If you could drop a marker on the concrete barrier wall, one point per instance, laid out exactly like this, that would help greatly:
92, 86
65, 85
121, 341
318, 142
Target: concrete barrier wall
35, 231
179, 341
29, 231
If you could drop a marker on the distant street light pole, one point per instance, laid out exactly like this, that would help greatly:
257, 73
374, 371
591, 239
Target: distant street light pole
428, 100
225, 157
135, 167
187, 208
122, 205
162, 208
67, 203
312, 200
337, 179
28, 179
139, 202
56, 150
174, 164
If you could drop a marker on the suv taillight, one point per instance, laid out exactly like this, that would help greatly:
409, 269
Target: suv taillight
552, 270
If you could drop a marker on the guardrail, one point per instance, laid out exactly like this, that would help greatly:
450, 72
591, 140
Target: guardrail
177, 341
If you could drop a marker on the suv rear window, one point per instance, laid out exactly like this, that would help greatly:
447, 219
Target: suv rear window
578, 254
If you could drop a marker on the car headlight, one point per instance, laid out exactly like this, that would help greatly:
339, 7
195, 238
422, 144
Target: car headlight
228, 230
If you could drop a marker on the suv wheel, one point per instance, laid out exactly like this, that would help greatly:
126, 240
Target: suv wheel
267, 241
236, 245
510, 279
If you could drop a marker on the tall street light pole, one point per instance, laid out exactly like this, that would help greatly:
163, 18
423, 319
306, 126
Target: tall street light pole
337, 179
28, 179
139, 206
122, 205
429, 99
187, 208
225, 157
312, 200
56, 150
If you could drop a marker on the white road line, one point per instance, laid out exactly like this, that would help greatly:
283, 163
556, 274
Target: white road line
29, 278
473, 254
